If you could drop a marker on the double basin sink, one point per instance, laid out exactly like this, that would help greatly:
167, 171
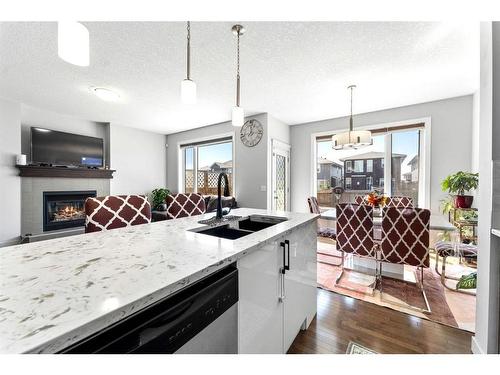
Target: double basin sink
241, 227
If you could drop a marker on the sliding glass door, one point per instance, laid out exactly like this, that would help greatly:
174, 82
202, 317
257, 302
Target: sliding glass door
391, 165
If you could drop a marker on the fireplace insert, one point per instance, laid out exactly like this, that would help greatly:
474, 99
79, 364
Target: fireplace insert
64, 209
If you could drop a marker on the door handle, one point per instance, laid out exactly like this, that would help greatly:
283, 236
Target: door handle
287, 266
283, 269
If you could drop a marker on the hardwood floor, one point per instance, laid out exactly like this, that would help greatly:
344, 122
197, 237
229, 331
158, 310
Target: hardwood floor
341, 319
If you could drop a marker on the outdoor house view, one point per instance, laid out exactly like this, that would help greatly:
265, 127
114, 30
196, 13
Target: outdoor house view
393, 156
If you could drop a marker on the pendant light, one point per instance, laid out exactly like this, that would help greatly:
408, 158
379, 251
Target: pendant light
73, 43
188, 87
238, 115
352, 139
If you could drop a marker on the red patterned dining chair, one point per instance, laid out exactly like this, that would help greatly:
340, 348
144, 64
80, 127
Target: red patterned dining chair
183, 205
323, 232
399, 202
359, 199
116, 211
355, 236
405, 240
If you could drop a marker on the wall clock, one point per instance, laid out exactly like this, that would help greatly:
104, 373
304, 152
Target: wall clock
251, 133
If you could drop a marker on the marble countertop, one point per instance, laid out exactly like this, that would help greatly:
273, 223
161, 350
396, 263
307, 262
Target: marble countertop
56, 292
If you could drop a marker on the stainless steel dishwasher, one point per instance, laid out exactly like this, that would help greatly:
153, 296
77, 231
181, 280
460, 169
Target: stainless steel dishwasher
201, 318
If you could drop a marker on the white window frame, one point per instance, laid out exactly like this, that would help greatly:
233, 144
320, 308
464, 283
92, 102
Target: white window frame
424, 198
181, 159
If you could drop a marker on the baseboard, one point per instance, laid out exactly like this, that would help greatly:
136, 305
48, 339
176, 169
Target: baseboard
11, 242
476, 349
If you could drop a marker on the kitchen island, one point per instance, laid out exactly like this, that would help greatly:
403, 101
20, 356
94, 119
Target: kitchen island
57, 292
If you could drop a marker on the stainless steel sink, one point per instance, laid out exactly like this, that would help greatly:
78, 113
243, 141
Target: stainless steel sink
241, 227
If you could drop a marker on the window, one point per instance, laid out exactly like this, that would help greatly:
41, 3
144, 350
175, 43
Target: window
359, 171
358, 166
369, 183
369, 165
405, 150
348, 166
203, 162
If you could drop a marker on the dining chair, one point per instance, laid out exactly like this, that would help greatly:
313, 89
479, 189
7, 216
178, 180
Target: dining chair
355, 236
116, 211
359, 199
183, 205
405, 240
445, 249
323, 232
399, 202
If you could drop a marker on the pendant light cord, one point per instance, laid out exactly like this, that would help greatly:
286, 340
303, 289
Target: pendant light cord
238, 70
188, 53
350, 119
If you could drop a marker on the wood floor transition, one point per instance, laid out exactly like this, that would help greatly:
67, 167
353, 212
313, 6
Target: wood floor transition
342, 319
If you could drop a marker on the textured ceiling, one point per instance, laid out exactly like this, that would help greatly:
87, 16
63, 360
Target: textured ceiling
298, 72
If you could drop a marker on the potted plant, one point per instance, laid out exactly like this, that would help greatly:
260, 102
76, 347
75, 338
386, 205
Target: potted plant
458, 184
159, 196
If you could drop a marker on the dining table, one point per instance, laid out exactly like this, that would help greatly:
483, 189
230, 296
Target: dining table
397, 271
437, 221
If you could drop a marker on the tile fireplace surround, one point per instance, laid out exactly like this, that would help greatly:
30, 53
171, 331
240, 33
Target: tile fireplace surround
32, 189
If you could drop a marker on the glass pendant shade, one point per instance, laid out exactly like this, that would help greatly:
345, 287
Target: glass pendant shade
73, 43
188, 91
238, 116
352, 139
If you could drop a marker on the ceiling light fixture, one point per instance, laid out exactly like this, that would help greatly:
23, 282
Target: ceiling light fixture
188, 87
238, 115
73, 43
352, 139
105, 94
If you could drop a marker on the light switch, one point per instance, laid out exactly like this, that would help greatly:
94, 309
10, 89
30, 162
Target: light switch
263, 187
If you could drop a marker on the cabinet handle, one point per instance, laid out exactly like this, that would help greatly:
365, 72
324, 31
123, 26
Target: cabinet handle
287, 266
283, 270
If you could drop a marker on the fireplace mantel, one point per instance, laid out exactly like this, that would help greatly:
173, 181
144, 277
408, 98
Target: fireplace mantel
46, 171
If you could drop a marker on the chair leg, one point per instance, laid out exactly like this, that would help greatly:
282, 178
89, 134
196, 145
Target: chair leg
420, 285
333, 256
339, 277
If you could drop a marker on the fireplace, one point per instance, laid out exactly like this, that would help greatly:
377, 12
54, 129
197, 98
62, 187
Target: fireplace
64, 209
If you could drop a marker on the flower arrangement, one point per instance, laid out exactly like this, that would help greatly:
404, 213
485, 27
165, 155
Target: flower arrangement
375, 199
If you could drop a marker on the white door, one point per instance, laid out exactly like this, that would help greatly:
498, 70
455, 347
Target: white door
260, 308
280, 176
300, 282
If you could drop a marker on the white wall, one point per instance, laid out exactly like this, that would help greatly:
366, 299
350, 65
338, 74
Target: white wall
486, 338
450, 144
250, 162
139, 158
10, 183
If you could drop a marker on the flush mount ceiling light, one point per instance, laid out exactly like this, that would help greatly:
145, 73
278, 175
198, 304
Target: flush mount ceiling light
351, 139
188, 87
105, 94
238, 115
73, 43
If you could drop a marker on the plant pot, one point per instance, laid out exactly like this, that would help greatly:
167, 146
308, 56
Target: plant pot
161, 207
463, 201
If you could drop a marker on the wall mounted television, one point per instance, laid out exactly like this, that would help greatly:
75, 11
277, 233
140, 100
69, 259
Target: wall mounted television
65, 149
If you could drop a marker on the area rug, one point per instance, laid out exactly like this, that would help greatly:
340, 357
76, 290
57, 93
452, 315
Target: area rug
355, 348
448, 307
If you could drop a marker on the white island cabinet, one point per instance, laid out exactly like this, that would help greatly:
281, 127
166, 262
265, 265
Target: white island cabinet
274, 305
